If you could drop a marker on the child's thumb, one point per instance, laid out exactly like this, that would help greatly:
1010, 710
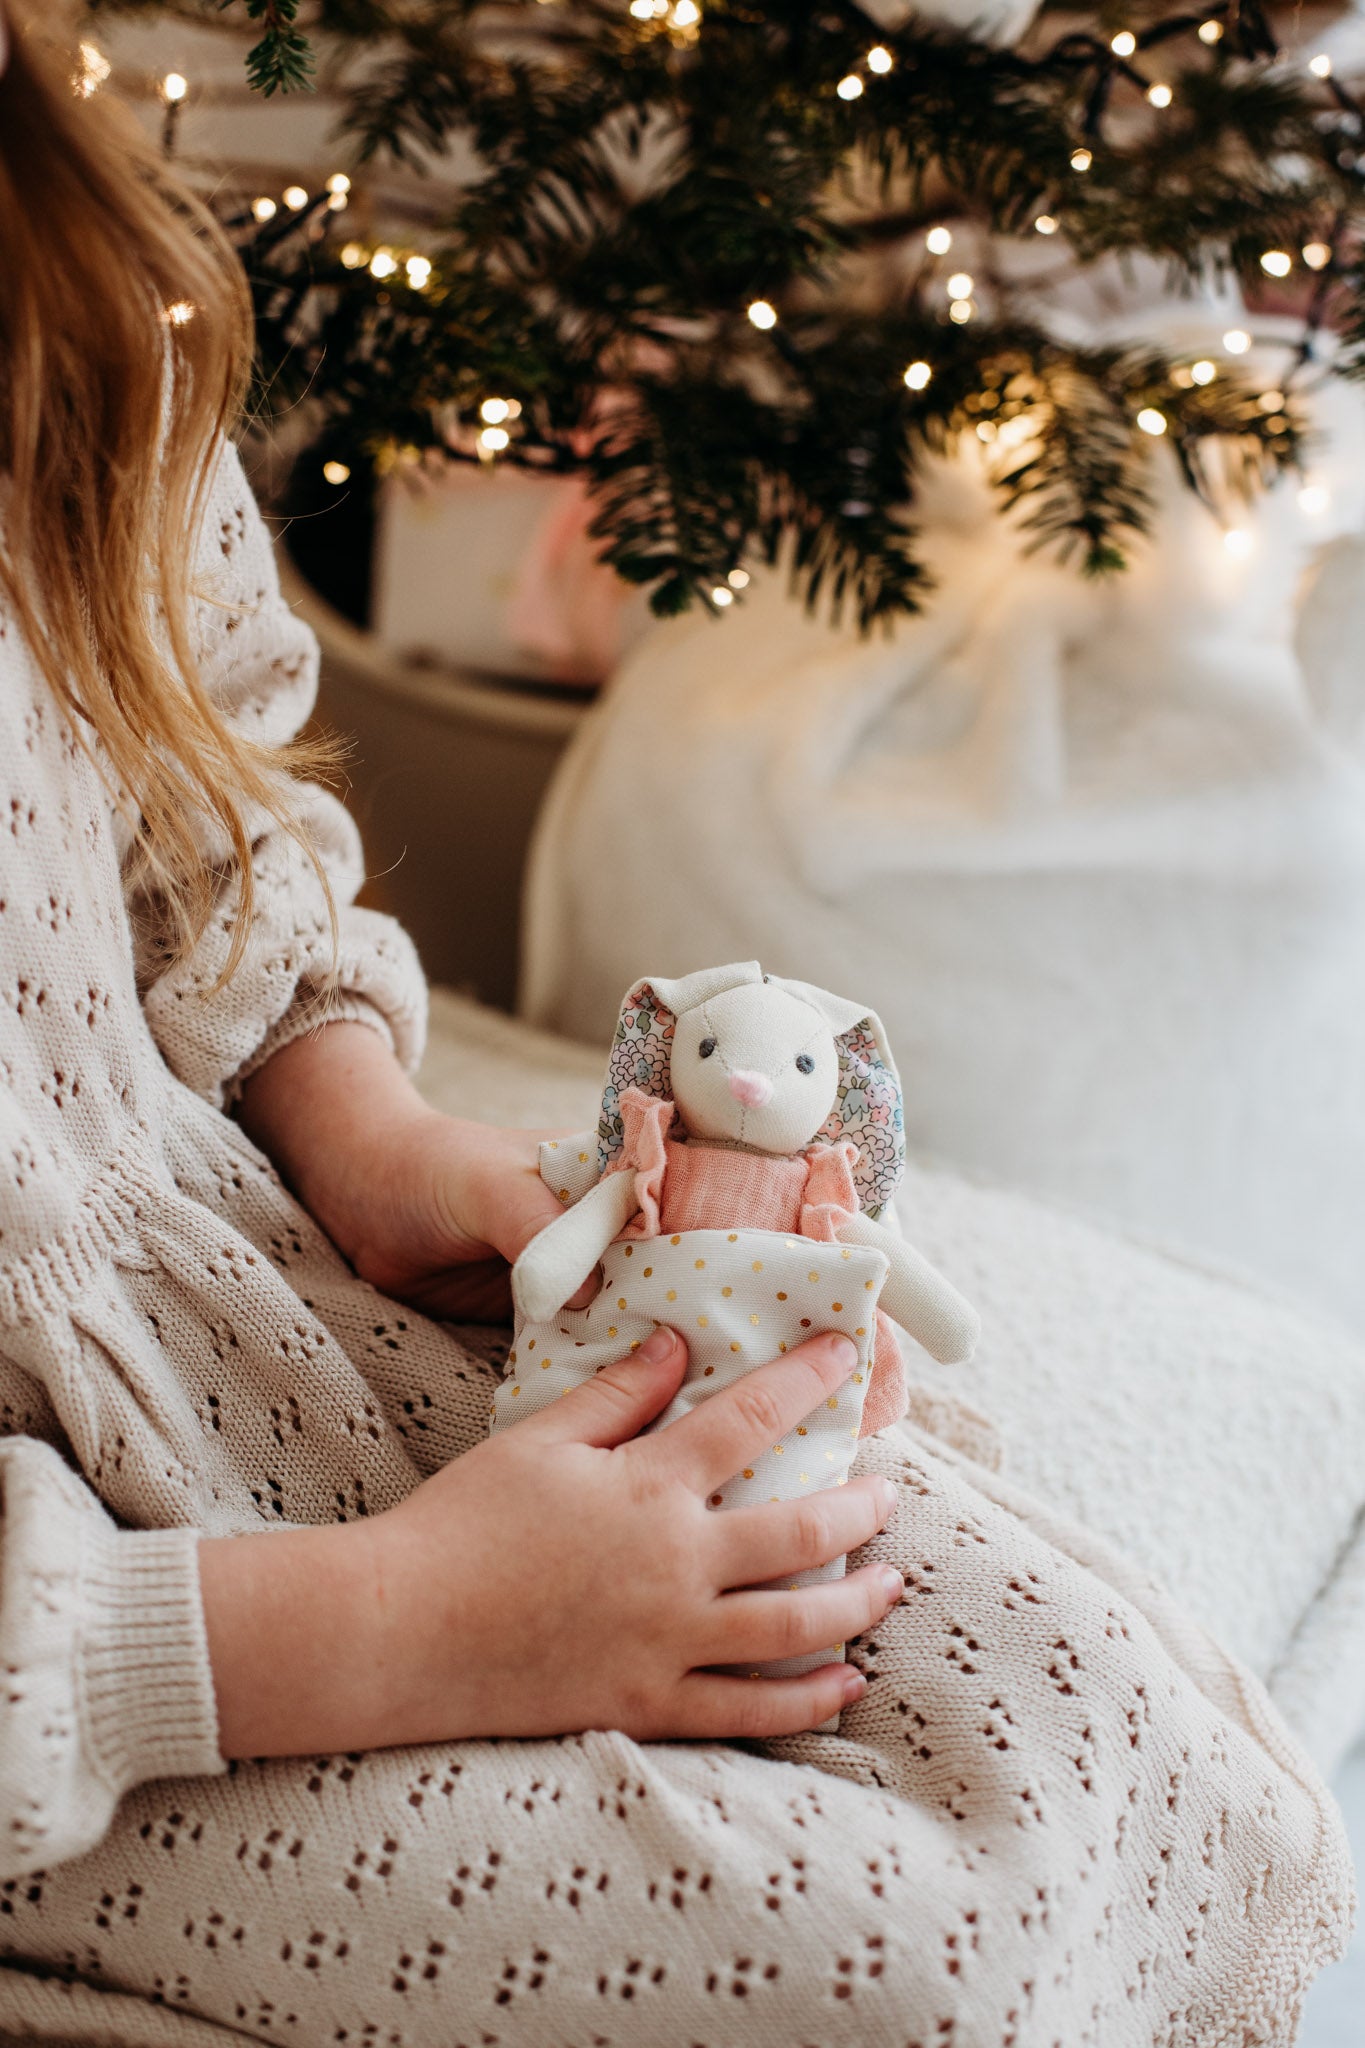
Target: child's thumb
618, 1401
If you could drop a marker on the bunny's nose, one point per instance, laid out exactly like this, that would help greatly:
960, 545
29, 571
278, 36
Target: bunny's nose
753, 1090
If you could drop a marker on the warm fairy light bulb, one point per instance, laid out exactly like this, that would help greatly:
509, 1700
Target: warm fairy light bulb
95, 69
337, 202
938, 241
960, 312
418, 270
721, 596
338, 182
880, 60
180, 314
918, 375
174, 87
959, 285
1317, 255
1124, 43
352, 256
383, 263
1314, 499
295, 198
1277, 263
1045, 224
1237, 341
264, 209
738, 579
1271, 401
336, 472
1203, 372
643, 10
986, 430
686, 14
1151, 421
494, 411
1210, 32
1321, 65
850, 88
1237, 541
494, 439
763, 314
1081, 159
1160, 95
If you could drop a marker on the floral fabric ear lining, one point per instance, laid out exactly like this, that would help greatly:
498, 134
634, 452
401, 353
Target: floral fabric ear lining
868, 1108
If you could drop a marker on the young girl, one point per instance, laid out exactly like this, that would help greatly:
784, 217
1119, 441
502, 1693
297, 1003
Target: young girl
249, 1506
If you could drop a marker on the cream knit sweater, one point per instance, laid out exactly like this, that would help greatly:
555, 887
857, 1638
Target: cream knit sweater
1059, 1815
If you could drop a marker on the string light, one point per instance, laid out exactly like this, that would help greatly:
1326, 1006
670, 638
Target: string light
880, 60
1045, 224
938, 241
1124, 43
1151, 421
1081, 159
1203, 372
338, 201
173, 87
336, 472
95, 68
418, 270
338, 182
738, 579
1237, 341
179, 314
686, 14
918, 375
986, 430
721, 596
264, 209
1238, 542
959, 285
1271, 401
494, 411
1210, 32
352, 256
1314, 499
1317, 255
960, 312
643, 10
383, 263
1277, 263
1160, 95
1321, 65
494, 439
850, 88
295, 198
763, 314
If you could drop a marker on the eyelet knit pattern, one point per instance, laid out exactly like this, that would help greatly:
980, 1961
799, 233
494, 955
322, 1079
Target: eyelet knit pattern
1059, 1815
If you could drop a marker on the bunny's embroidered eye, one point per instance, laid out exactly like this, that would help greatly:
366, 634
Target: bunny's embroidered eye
804, 1063
706, 1048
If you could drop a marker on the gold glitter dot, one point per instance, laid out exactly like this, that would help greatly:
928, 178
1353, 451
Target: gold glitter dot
672, 1294
726, 1292
777, 1450
837, 1307
716, 1500
699, 1263
554, 1144
582, 1158
630, 1251
781, 1347
648, 1272
754, 1321
845, 1255
675, 1240
868, 1285
702, 1322
532, 1345
782, 1297
854, 1430
734, 1347
733, 1238
803, 1477
812, 1276
861, 1330
707, 1371
620, 1301
829, 1457
545, 1364
748, 1471
563, 1194
857, 1379
775, 1496
801, 1429
511, 1358
515, 1392
636, 1345
611, 1330
832, 1402
758, 1265
842, 1480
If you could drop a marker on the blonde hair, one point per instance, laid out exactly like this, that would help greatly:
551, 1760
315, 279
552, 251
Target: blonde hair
110, 417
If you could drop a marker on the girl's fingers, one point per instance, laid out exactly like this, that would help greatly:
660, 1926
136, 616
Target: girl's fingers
617, 1402
711, 1707
769, 1625
728, 1431
756, 1544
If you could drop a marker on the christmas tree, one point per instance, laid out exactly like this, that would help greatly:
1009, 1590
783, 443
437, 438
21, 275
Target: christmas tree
709, 257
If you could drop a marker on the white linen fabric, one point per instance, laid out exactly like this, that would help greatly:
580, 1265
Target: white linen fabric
1094, 850
1058, 1812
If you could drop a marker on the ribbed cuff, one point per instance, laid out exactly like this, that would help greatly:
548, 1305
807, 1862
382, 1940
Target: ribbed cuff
146, 1684
305, 1014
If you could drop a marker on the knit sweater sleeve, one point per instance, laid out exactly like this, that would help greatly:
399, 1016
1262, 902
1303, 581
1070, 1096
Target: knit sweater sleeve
104, 1670
260, 662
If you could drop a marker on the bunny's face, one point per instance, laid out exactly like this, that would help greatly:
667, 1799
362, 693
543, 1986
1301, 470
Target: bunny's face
755, 1065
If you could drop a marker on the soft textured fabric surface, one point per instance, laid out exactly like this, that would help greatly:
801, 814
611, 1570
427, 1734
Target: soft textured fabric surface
1094, 848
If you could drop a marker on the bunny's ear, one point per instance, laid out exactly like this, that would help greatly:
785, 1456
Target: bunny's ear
640, 1058
868, 1108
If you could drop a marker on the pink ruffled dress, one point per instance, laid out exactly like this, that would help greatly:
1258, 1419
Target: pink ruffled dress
686, 1184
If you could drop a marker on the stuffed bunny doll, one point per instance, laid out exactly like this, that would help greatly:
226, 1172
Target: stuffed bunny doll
751, 1134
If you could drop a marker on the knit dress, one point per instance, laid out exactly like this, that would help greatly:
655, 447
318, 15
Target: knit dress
1059, 1815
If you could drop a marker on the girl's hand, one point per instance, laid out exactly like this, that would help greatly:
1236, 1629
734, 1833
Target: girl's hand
566, 1574
428, 1208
